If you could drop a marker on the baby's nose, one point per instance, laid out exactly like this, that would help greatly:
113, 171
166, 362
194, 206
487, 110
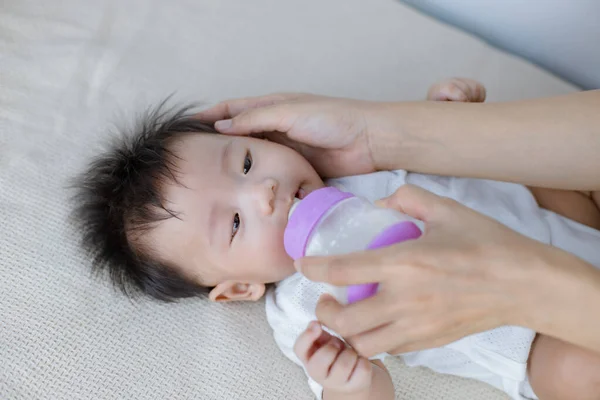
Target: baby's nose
266, 196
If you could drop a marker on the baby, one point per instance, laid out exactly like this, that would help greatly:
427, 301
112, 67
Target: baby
176, 210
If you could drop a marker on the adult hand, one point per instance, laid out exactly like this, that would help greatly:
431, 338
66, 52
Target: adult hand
337, 136
466, 274
332, 133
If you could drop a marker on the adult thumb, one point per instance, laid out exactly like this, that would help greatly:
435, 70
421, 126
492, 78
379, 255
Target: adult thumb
413, 201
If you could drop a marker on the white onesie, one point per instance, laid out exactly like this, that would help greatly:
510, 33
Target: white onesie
497, 357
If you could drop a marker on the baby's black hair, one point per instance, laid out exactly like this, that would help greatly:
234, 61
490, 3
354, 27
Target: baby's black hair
118, 198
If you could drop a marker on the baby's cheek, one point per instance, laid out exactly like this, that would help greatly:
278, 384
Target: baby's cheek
275, 247
276, 254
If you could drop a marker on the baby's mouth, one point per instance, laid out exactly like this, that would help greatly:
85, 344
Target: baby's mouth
301, 193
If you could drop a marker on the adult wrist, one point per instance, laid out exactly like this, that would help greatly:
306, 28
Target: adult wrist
392, 144
563, 300
414, 136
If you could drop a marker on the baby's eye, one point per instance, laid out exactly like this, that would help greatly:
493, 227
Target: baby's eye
236, 225
247, 163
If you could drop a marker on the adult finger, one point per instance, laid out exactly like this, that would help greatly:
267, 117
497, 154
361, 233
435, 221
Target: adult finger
398, 337
388, 338
342, 270
273, 118
360, 267
430, 343
353, 319
391, 338
415, 202
231, 108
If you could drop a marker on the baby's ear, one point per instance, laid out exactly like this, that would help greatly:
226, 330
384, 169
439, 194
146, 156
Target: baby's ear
235, 291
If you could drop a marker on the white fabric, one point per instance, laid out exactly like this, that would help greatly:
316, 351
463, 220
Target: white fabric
70, 69
497, 357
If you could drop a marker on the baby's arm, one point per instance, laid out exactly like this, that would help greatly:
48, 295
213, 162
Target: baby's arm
342, 373
583, 207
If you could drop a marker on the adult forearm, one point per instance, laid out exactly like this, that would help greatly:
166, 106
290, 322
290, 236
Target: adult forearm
550, 142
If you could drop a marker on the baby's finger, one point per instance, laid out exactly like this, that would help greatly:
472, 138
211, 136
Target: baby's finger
342, 368
319, 364
475, 90
361, 376
309, 341
459, 90
447, 92
415, 202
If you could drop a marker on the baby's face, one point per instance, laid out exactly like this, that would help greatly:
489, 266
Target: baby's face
232, 199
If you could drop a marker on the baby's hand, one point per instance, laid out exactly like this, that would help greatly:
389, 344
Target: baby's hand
331, 363
457, 89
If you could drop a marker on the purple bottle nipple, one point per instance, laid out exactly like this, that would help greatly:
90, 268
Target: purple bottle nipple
305, 217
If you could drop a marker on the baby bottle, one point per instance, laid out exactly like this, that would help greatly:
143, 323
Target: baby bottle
329, 221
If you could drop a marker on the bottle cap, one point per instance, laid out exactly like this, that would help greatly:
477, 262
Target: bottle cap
304, 216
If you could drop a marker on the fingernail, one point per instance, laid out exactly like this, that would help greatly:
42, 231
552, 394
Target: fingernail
298, 266
314, 327
380, 203
223, 125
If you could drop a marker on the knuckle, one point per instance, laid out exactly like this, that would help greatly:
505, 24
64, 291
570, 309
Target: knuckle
348, 361
226, 105
338, 324
244, 120
425, 330
338, 342
329, 351
362, 347
299, 348
341, 325
446, 205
